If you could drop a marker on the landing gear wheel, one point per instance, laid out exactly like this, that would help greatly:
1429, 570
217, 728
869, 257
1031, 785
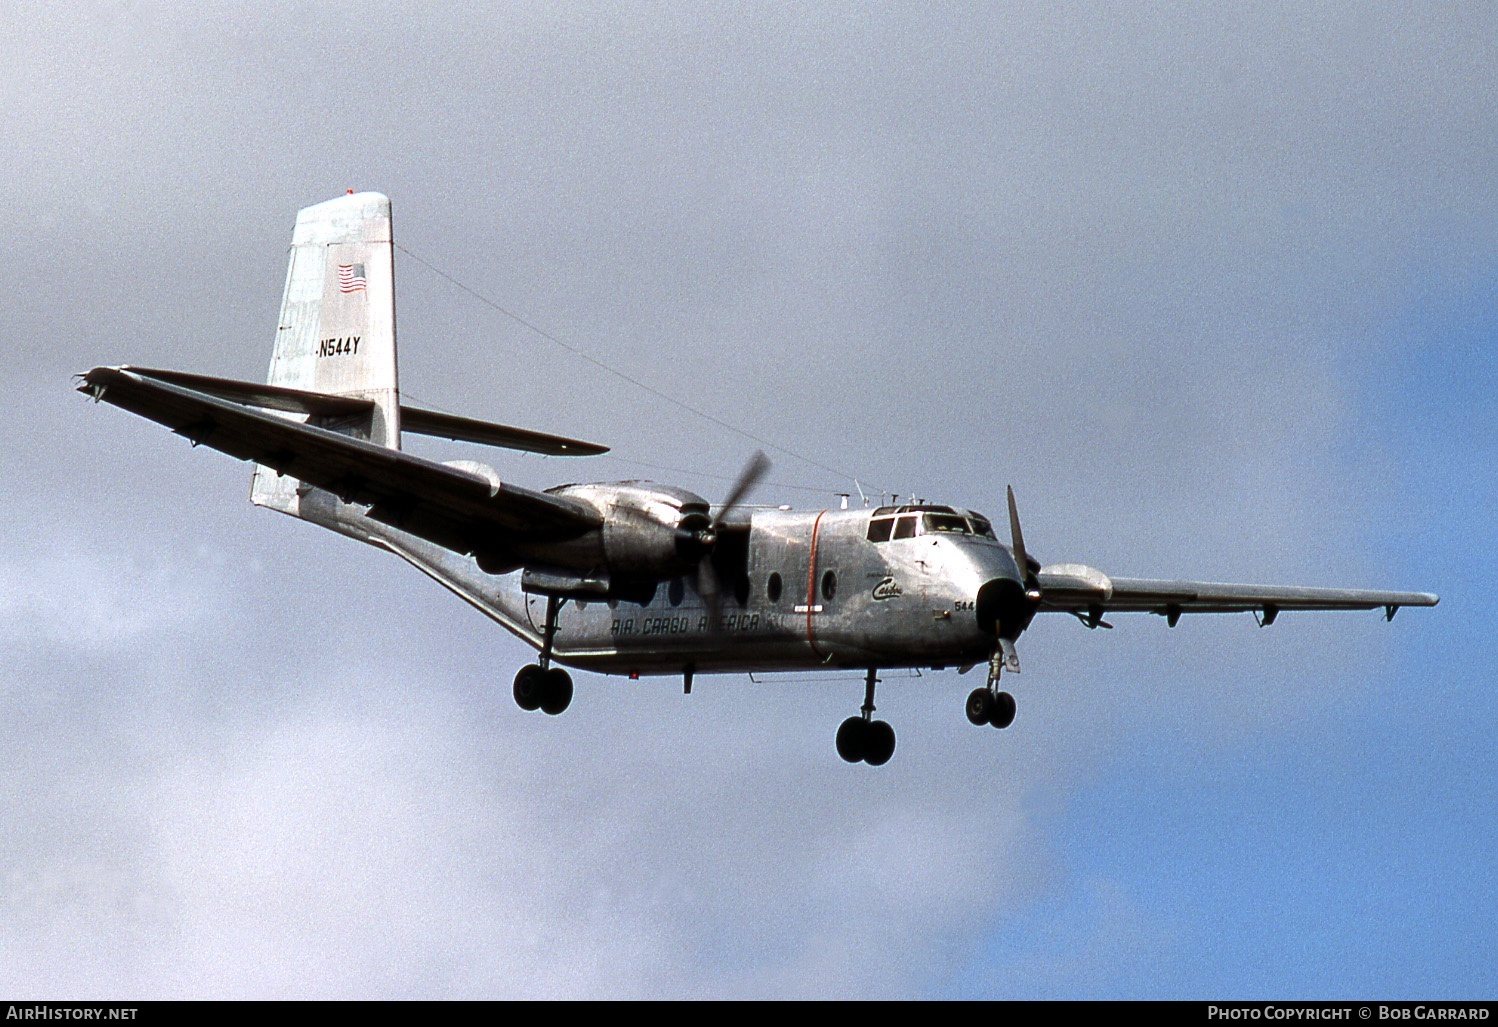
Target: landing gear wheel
1003, 710
878, 743
556, 691
980, 706
528, 680
850, 738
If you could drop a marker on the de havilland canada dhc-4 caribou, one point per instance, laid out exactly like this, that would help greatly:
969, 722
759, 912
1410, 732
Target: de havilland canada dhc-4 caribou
631, 577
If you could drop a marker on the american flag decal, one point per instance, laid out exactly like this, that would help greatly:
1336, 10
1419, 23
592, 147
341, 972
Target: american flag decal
350, 277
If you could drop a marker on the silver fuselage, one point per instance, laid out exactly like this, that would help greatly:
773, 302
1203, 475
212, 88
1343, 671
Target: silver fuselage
819, 594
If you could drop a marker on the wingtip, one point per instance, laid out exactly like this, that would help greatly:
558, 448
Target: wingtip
92, 380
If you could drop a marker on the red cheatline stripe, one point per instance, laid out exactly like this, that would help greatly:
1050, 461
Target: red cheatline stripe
811, 580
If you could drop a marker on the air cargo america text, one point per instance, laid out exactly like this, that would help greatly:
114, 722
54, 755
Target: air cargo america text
681, 625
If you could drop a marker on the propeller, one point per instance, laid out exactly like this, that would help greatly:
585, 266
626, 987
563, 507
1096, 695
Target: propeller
1018, 618
749, 477
1021, 557
704, 539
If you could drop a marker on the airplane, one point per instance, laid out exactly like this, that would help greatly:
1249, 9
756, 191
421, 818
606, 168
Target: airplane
631, 577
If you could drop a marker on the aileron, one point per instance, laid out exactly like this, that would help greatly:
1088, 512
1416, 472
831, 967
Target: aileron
1145, 595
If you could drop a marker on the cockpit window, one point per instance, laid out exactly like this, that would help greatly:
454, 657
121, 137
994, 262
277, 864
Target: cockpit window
981, 526
908, 525
945, 522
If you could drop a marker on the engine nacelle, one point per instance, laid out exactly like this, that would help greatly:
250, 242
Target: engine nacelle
1003, 608
648, 530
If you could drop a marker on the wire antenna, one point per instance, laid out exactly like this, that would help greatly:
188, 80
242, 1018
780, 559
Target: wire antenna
623, 376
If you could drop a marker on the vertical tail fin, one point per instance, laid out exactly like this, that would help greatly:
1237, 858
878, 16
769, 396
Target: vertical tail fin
336, 333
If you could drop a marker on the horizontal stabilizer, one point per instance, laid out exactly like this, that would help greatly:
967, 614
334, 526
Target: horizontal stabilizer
412, 419
467, 429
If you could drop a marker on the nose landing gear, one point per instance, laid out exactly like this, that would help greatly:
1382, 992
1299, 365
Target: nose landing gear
863, 739
988, 705
540, 686
985, 706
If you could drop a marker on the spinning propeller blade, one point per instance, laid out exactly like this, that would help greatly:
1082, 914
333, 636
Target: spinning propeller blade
708, 585
1021, 557
749, 477
1028, 580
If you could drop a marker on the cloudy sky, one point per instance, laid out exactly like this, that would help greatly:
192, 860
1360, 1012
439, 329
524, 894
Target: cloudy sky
1213, 287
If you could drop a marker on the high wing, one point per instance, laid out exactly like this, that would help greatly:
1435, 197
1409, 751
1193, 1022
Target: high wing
461, 511
1089, 593
412, 419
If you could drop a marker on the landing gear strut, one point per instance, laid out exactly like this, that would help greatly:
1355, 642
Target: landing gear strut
540, 686
988, 705
860, 738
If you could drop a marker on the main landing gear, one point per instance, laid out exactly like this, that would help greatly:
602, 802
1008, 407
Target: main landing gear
860, 738
540, 686
548, 689
988, 705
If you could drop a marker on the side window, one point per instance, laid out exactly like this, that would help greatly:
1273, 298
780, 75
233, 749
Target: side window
905, 528
829, 586
772, 589
879, 529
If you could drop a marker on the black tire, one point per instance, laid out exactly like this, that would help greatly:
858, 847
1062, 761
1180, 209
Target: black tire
980, 706
528, 687
850, 739
1003, 710
879, 744
556, 691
